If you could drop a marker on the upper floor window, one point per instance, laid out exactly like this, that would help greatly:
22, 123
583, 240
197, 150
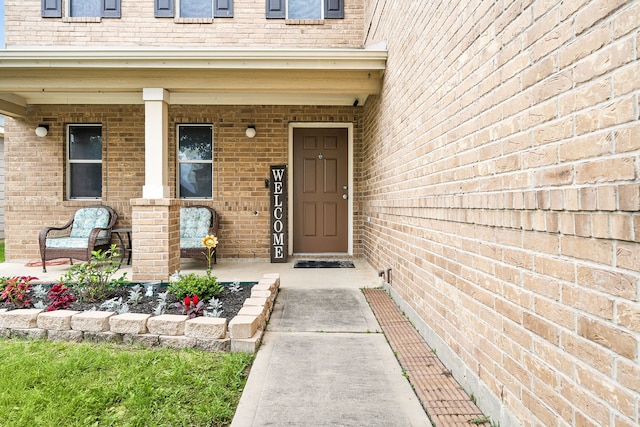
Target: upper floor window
195, 161
305, 9
82, 8
84, 161
194, 8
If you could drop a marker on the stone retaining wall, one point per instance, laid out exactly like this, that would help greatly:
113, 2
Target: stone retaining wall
242, 334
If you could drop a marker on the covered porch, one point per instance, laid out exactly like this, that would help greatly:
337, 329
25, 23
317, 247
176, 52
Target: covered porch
165, 86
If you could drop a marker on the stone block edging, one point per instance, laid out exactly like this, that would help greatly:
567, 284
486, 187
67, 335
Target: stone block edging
242, 334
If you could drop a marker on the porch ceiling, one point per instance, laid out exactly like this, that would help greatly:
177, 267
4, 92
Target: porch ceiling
191, 76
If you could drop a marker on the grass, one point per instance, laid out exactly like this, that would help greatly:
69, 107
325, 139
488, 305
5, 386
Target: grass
48, 383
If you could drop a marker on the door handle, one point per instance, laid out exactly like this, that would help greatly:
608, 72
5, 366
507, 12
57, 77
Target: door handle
345, 196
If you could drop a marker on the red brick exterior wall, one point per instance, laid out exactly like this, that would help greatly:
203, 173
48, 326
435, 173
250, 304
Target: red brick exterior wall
501, 179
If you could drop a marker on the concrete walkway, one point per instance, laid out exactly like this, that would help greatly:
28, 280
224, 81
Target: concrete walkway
324, 360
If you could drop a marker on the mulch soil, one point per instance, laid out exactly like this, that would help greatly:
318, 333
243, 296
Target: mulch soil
231, 301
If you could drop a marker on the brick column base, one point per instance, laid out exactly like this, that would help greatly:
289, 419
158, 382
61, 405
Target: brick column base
155, 225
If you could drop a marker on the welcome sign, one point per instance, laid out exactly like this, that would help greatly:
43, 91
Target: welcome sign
279, 232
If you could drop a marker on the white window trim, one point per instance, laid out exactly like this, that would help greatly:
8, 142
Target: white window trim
179, 16
179, 162
69, 161
286, 10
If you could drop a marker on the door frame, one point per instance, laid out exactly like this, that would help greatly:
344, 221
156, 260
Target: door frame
349, 127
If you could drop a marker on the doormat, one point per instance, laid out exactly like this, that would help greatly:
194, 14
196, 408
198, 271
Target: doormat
324, 264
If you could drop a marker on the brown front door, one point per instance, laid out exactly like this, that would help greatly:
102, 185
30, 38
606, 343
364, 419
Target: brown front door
320, 179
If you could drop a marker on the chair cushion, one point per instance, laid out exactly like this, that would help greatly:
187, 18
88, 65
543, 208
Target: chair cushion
72, 242
86, 219
192, 242
194, 223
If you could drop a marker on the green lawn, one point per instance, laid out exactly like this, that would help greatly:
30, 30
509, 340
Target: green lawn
46, 383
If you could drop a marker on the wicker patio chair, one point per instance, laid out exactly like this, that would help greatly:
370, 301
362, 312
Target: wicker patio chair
196, 222
88, 230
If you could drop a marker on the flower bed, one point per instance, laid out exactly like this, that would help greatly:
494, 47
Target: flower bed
243, 333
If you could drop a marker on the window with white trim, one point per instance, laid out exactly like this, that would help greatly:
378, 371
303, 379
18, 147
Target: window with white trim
195, 161
194, 8
305, 9
84, 161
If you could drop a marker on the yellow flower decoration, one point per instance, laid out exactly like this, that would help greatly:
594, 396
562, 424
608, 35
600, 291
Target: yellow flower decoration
209, 241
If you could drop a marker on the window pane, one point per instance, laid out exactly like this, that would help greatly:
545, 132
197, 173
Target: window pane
195, 143
305, 9
196, 8
195, 180
85, 8
85, 142
86, 180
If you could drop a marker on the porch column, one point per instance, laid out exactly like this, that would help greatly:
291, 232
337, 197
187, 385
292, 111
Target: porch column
156, 238
155, 220
156, 143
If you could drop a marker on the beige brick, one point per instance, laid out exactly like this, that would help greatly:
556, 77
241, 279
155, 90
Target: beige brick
129, 323
628, 374
608, 336
256, 310
247, 345
31, 333
541, 327
25, 318
608, 281
628, 256
588, 302
606, 170
629, 197
206, 328
167, 324
587, 249
177, 341
243, 327
213, 345
596, 356
601, 386
65, 335
629, 315
59, 320
91, 321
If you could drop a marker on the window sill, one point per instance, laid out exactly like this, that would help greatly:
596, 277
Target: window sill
193, 20
90, 19
304, 21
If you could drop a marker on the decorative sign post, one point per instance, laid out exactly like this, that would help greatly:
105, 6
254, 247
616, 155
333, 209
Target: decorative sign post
279, 231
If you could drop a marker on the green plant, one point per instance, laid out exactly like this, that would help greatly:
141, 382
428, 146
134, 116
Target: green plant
205, 286
93, 280
480, 420
15, 290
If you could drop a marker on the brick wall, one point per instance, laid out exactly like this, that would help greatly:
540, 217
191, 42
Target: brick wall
138, 27
500, 175
35, 167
